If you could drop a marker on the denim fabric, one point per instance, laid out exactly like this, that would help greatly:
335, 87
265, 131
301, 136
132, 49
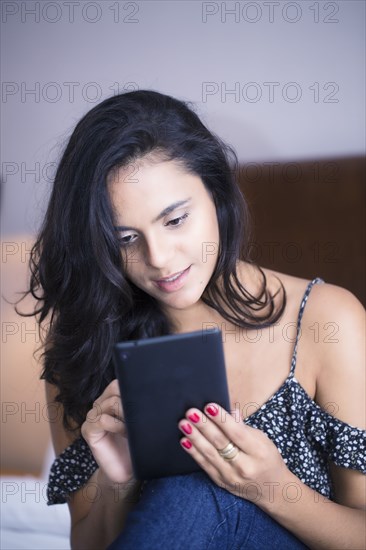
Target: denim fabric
190, 511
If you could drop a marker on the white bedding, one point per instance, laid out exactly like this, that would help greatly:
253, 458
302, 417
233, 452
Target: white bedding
26, 520
27, 523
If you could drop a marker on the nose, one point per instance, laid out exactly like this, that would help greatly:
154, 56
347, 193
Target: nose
158, 251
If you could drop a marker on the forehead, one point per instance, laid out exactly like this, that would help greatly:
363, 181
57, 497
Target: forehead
148, 170
144, 185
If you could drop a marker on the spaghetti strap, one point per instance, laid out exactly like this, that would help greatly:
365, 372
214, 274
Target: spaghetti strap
299, 318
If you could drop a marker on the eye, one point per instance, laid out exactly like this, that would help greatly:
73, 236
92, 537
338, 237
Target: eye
127, 240
177, 221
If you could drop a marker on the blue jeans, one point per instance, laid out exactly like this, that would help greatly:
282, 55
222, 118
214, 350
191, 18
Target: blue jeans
190, 511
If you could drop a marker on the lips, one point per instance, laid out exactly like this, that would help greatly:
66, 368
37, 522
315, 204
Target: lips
174, 281
170, 278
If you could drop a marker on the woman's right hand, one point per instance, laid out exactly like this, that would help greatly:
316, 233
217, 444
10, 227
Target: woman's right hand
105, 432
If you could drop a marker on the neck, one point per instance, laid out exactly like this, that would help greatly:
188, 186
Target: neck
196, 317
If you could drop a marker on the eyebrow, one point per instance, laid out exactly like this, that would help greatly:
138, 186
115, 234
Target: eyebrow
163, 213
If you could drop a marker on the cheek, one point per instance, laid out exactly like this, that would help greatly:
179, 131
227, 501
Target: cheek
205, 243
215, 238
131, 262
212, 235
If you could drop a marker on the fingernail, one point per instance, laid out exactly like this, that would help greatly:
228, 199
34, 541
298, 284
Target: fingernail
187, 428
186, 443
212, 410
194, 417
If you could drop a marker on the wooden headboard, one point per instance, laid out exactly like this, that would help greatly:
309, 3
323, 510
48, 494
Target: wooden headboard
308, 218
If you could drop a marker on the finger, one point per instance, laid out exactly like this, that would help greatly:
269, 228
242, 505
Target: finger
221, 471
204, 440
111, 390
236, 431
111, 405
201, 454
104, 423
199, 429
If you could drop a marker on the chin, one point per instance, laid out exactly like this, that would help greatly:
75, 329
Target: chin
182, 302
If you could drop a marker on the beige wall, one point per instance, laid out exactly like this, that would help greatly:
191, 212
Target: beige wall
24, 424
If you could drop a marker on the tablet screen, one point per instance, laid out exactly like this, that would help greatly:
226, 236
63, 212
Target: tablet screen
160, 378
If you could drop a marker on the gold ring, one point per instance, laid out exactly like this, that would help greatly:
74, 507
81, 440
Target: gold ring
232, 455
229, 452
227, 449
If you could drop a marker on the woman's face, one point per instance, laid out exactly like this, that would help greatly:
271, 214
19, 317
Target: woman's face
168, 230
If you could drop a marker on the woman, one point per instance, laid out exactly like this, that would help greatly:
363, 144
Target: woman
146, 234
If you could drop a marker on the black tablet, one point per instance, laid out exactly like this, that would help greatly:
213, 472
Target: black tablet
160, 378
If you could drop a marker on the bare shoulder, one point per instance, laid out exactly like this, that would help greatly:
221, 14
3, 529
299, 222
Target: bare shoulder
251, 277
334, 333
336, 311
334, 302
332, 345
327, 302
341, 376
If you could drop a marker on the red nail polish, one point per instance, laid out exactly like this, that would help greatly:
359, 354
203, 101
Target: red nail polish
194, 417
187, 444
187, 428
212, 410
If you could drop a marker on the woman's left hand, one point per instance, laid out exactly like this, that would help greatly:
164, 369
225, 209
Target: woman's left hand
257, 470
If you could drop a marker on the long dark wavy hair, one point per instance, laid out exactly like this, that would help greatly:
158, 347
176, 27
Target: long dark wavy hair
77, 272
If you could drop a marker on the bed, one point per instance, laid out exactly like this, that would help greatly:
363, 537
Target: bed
26, 520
